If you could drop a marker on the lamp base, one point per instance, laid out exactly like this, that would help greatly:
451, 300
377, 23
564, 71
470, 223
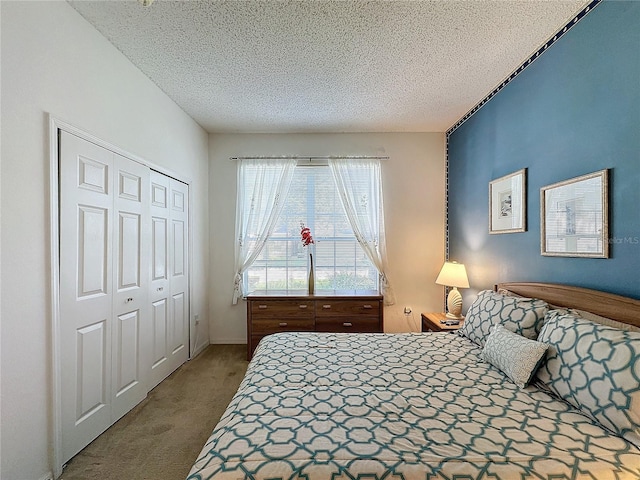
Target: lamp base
454, 304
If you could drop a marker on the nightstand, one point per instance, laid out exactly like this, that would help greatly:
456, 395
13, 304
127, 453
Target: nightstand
431, 323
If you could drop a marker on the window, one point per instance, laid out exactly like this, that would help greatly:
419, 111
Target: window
340, 262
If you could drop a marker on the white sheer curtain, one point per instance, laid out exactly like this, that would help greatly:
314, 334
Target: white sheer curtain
262, 189
359, 183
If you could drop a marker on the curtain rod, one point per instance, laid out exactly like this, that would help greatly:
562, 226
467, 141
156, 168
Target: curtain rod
311, 158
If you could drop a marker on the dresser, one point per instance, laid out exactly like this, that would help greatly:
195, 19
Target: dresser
334, 311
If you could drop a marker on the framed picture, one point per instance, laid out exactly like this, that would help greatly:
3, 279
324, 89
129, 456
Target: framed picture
507, 203
574, 218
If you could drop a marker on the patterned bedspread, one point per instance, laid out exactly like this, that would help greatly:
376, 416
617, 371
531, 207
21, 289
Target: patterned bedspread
399, 406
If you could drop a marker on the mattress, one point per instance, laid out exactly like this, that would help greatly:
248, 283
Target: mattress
399, 406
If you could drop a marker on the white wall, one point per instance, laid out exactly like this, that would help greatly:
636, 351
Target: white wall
413, 183
54, 62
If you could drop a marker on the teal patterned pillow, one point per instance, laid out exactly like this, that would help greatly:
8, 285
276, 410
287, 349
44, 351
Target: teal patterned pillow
523, 316
517, 357
596, 369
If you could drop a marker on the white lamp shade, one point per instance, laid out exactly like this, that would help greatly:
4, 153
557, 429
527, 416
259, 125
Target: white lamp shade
453, 274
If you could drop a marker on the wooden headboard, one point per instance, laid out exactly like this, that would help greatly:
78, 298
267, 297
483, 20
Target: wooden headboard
615, 307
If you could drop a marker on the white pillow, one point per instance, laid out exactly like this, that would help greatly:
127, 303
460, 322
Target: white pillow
523, 316
516, 356
596, 369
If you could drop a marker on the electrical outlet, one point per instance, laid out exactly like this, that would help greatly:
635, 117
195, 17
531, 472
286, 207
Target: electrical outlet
407, 310
196, 319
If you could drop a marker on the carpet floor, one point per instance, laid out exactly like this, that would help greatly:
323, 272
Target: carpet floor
162, 436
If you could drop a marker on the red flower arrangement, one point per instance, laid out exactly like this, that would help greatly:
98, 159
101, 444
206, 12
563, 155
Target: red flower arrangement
307, 239
305, 233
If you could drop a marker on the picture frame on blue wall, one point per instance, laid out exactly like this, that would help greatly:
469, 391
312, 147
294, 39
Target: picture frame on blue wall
574, 217
508, 203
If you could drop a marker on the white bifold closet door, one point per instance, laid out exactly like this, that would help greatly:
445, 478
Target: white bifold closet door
108, 332
169, 294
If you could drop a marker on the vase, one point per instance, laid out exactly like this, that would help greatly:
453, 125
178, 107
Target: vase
312, 285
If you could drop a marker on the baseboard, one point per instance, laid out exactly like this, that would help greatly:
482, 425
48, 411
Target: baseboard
198, 349
220, 341
229, 341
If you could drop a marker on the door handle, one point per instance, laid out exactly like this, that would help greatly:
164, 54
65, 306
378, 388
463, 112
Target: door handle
282, 324
347, 324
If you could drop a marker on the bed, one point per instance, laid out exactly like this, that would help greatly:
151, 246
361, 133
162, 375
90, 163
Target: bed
445, 406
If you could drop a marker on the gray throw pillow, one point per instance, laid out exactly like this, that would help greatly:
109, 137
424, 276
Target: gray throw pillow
516, 356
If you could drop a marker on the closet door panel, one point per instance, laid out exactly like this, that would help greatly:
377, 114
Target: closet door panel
128, 362
132, 339
179, 274
86, 296
159, 250
160, 292
179, 251
92, 393
129, 247
178, 323
93, 245
160, 340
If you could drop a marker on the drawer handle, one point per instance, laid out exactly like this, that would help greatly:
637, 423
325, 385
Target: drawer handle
283, 324
326, 307
262, 307
367, 306
303, 306
347, 324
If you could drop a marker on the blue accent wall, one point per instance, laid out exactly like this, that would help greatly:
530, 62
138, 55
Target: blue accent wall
573, 111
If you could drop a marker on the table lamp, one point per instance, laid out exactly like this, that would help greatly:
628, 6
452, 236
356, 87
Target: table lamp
453, 274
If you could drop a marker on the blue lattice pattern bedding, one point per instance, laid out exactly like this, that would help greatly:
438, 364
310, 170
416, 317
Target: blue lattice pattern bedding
400, 406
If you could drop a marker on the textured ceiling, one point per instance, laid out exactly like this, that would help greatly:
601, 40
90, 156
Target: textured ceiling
328, 66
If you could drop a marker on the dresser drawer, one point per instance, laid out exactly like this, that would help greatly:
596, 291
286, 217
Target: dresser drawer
348, 324
332, 308
282, 325
281, 309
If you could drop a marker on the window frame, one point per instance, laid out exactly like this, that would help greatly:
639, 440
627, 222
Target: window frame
293, 242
